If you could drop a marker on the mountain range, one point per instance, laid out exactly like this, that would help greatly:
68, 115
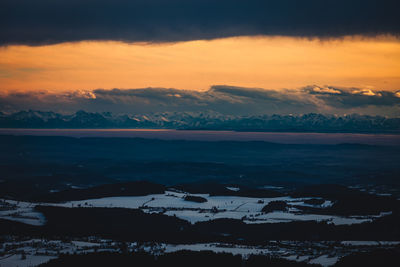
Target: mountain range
311, 122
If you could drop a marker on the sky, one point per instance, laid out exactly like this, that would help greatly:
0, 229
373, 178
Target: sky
75, 51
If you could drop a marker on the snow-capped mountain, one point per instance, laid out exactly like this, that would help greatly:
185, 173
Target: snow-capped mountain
202, 120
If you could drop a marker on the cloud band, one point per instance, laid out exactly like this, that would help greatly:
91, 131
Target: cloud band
222, 99
46, 21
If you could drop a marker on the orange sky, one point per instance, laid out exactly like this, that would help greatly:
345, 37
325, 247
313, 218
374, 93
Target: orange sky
265, 62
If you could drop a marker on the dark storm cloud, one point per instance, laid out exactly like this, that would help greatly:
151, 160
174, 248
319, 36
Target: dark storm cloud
49, 21
222, 99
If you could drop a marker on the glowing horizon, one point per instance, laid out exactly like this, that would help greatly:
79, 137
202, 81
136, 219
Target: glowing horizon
262, 62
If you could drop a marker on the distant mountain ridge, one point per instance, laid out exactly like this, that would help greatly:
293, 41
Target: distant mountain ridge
312, 122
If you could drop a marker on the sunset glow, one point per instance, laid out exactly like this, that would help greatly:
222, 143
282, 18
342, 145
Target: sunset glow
264, 62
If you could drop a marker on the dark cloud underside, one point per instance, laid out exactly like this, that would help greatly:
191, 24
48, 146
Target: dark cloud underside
54, 21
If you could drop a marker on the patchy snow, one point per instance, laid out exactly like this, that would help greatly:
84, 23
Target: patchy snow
324, 260
171, 203
76, 187
326, 204
218, 248
247, 209
235, 189
370, 243
31, 260
289, 252
38, 251
326, 253
280, 216
84, 244
21, 212
175, 200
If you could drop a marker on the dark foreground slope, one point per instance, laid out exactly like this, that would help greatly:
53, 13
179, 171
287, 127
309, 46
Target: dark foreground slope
176, 259
388, 258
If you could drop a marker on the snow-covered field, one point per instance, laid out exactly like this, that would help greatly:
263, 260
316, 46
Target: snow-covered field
247, 209
33, 252
21, 212
172, 203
